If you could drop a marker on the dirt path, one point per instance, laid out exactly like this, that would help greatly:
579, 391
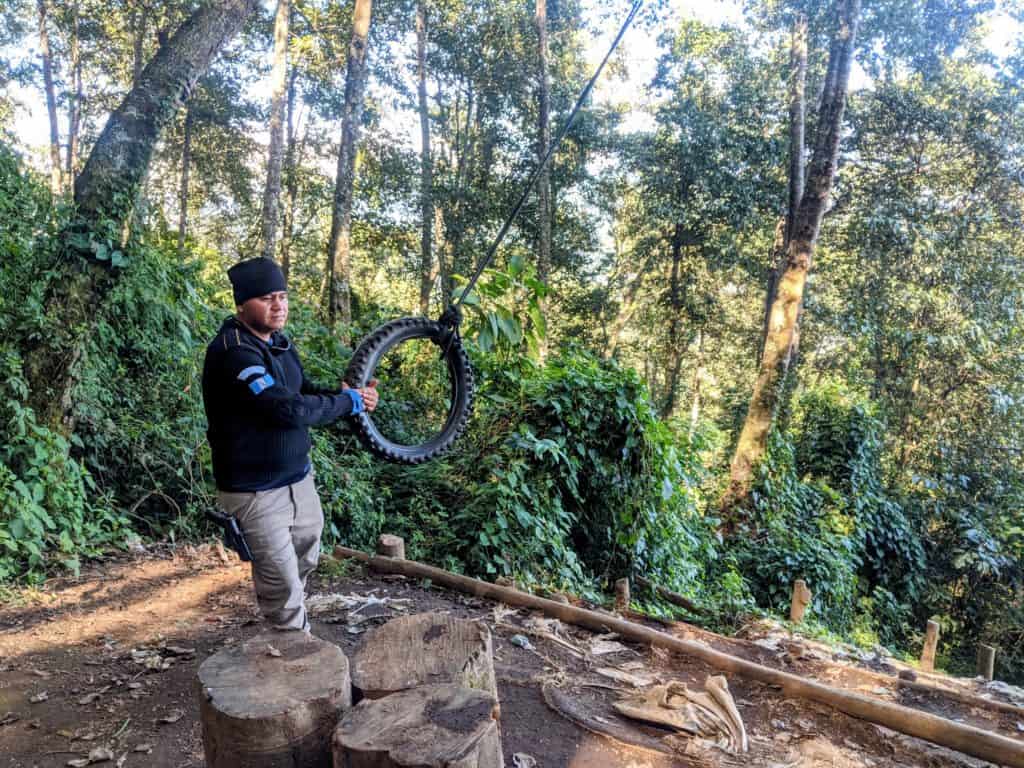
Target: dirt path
107, 663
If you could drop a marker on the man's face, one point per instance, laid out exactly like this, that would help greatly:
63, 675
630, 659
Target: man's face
265, 314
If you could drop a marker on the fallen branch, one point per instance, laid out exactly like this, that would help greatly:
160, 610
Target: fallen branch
938, 730
668, 595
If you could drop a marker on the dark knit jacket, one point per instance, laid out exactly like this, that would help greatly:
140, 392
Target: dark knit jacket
259, 407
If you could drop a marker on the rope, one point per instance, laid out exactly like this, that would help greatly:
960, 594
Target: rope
450, 316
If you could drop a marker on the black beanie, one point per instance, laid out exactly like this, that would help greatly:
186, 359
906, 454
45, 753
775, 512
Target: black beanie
255, 277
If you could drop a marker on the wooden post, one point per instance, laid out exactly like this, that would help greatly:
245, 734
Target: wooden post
986, 661
622, 595
272, 700
391, 546
931, 640
801, 599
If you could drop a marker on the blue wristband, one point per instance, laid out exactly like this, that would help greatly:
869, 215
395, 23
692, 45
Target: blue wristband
357, 401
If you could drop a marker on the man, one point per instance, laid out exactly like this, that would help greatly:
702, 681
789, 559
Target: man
259, 406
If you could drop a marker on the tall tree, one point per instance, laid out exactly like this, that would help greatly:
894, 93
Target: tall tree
428, 272
186, 167
56, 184
291, 182
675, 344
138, 39
105, 192
275, 153
543, 140
75, 97
789, 293
339, 268
797, 163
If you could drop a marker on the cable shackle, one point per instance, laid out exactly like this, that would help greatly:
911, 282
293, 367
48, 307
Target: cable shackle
547, 157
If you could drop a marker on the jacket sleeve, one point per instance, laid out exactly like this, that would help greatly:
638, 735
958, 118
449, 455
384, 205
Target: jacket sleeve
309, 388
255, 388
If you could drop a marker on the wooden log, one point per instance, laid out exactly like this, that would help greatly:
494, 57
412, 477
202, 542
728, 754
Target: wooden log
906, 679
622, 595
391, 546
801, 599
441, 726
272, 702
426, 648
666, 594
931, 640
923, 725
986, 661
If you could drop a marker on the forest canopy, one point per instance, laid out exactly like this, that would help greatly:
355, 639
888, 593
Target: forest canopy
761, 319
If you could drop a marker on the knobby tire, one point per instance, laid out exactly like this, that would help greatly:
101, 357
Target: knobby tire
364, 362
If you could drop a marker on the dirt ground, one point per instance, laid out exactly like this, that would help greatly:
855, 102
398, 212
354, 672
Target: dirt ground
105, 665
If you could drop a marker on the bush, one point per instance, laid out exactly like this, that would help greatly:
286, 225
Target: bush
821, 513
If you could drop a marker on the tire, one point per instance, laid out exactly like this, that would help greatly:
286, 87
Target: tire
364, 362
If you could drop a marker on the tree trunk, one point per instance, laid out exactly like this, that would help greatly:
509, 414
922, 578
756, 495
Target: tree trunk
427, 271
440, 269
544, 139
698, 376
105, 192
797, 118
186, 163
56, 184
75, 99
275, 154
675, 345
339, 300
626, 307
782, 326
138, 38
797, 147
291, 182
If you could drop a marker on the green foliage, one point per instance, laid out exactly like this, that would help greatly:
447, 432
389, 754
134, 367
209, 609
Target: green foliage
496, 303
51, 511
799, 530
820, 513
585, 481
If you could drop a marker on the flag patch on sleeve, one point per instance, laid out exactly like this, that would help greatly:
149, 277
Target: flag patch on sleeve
262, 383
250, 371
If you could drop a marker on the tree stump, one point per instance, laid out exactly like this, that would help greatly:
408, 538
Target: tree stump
986, 661
432, 726
273, 702
424, 649
391, 546
801, 599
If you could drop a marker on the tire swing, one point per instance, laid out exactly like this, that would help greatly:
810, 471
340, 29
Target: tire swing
444, 333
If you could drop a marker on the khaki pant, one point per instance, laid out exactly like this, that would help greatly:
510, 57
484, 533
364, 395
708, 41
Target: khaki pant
282, 527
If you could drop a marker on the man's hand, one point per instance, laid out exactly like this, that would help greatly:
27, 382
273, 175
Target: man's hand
367, 393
